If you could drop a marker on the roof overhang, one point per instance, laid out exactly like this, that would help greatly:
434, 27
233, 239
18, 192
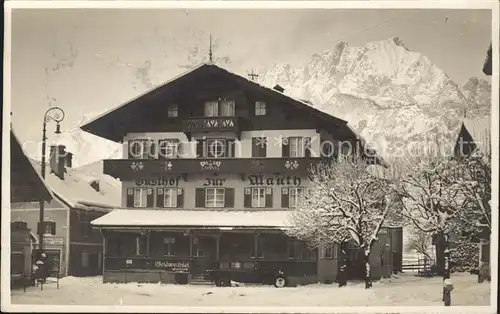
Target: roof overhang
26, 183
222, 220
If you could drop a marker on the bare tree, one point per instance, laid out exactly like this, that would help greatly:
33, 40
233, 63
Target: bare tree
344, 202
433, 201
420, 242
474, 182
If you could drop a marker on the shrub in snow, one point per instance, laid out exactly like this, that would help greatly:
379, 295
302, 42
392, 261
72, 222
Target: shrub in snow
465, 257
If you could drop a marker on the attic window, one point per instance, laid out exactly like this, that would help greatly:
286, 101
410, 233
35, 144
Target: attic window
95, 185
172, 111
260, 108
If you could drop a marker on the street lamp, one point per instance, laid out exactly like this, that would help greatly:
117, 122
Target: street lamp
55, 114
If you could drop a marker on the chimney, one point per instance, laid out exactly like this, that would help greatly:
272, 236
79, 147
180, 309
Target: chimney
57, 160
279, 88
95, 185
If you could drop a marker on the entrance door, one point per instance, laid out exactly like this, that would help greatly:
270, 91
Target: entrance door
204, 250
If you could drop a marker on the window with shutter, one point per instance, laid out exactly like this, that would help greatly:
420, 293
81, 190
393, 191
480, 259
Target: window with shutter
214, 197
141, 197
296, 147
170, 197
258, 197
169, 148
294, 196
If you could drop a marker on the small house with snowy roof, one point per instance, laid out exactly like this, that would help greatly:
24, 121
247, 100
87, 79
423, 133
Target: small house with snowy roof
475, 137
79, 196
213, 164
26, 185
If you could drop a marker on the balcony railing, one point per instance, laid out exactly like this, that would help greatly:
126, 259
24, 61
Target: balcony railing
211, 124
131, 169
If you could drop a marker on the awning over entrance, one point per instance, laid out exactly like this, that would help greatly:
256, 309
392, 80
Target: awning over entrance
193, 218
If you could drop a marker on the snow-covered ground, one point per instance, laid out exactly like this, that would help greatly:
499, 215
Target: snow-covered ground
404, 290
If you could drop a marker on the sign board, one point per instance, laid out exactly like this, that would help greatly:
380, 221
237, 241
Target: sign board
171, 266
53, 240
128, 262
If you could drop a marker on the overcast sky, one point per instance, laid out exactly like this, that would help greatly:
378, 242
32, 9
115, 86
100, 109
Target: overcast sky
90, 60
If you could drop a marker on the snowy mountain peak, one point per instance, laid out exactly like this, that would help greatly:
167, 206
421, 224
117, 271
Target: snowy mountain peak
384, 90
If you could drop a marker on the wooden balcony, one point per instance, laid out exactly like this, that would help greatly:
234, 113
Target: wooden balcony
211, 124
132, 169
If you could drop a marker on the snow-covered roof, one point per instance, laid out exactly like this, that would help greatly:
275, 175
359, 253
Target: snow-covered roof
193, 218
23, 173
75, 189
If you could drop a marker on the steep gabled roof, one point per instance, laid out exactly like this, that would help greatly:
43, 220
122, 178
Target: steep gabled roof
103, 126
475, 134
26, 184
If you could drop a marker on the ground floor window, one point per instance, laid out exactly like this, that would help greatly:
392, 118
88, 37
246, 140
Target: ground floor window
168, 246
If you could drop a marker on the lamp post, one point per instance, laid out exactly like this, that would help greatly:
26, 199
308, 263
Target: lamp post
55, 114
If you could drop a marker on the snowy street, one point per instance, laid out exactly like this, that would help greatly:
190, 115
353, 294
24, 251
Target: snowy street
406, 290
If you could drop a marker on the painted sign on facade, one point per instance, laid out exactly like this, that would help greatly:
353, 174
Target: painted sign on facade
163, 181
259, 179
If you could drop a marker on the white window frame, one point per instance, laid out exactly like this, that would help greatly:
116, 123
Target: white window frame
260, 202
211, 108
296, 145
169, 148
168, 243
172, 192
145, 148
211, 143
216, 192
47, 227
228, 105
173, 111
294, 194
260, 108
140, 195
